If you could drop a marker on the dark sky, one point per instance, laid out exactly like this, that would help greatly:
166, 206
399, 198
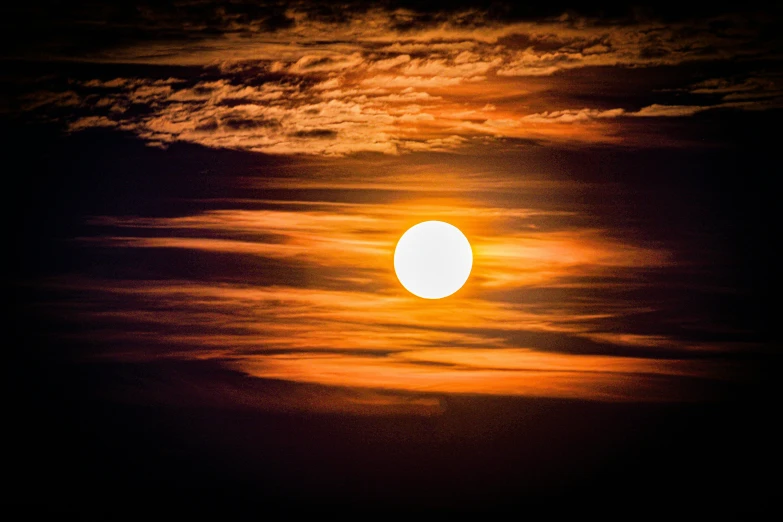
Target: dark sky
203, 204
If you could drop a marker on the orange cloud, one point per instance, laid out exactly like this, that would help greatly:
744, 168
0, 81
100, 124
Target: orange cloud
340, 88
364, 236
355, 305
352, 325
622, 380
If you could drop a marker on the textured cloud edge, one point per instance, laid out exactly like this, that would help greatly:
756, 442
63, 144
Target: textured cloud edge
393, 82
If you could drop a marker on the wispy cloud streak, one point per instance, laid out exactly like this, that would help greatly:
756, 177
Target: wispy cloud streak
349, 323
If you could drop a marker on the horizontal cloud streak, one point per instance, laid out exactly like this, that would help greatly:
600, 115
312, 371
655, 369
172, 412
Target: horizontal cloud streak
348, 323
632, 383
363, 236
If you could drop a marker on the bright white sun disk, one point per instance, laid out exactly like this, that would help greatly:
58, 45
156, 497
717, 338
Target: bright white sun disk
433, 259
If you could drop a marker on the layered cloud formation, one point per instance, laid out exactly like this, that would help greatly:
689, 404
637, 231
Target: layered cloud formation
295, 80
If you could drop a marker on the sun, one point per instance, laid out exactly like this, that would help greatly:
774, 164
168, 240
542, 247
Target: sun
433, 259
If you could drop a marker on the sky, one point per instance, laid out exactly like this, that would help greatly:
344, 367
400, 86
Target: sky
204, 200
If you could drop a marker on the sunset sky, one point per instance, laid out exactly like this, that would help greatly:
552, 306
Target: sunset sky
205, 197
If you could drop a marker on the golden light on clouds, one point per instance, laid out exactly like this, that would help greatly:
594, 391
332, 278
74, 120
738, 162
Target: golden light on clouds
334, 314
492, 372
365, 83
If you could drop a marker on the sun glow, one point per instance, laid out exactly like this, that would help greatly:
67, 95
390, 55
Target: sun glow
433, 259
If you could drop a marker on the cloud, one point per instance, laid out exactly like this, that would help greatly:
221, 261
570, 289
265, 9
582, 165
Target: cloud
411, 81
302, 38
383, 113
45, 98
89, 122
390, 63
573, 116
316, 133
368, 340
351, 240
657, 110
347, 113
304, 292
437, 46
200, 382
532, 63
520, 364
393, 81
319, 64
758, 91
489, 372
652, 111
443, 68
